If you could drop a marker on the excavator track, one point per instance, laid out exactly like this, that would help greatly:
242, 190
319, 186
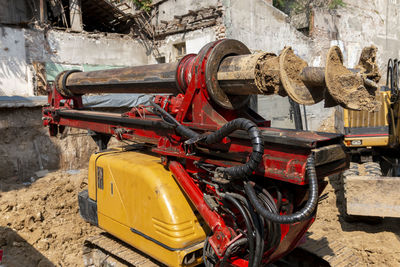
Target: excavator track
105, 250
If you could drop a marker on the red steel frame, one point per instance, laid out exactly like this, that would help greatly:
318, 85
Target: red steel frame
195, 109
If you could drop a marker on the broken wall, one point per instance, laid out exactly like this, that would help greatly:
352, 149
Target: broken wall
360, 23
15, 71
26, 147
183, 27
21, 48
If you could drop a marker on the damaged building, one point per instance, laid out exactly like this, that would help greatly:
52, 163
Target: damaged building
39, 39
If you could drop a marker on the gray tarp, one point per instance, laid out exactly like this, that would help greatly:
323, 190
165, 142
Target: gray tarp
92, 101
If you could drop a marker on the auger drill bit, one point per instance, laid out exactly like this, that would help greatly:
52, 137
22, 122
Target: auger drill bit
239, 75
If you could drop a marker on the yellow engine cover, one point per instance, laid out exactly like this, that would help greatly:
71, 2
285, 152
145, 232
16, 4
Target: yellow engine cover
139, 202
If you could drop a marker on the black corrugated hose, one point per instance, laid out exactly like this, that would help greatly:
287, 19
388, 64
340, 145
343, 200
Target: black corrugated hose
235, 172
298, 216
245, 170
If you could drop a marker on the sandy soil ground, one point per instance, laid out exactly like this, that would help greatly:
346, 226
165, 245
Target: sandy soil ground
40, 225
376, 243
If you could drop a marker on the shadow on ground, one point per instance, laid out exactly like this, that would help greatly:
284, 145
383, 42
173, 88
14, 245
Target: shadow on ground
307, 254
18, 252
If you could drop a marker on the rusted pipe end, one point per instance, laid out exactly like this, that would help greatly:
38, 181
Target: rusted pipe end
216, 55
60, 82
347, 88
290, 68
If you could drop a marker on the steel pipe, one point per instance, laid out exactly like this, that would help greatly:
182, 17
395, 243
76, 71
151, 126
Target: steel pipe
160, 78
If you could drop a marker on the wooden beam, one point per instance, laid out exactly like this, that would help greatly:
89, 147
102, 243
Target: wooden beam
75, 14
41, 12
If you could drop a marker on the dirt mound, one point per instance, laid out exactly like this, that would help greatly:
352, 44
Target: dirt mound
40, 223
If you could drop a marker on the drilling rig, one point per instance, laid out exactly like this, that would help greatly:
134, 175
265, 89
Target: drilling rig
207, 180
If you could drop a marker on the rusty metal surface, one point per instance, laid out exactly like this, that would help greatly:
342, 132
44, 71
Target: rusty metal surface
217, 54
292, 137
290, 69
329, 154
236, 74
158, 78
231, 74
313, 76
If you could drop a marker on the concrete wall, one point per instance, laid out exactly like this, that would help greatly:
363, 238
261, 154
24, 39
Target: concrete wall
169, 9
19, 48
15, 72
262, 27
194, 41
360, 23
99, 49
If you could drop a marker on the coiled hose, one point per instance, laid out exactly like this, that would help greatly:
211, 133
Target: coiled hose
245, 170
297, 216
250, 236
235, 172
256, 221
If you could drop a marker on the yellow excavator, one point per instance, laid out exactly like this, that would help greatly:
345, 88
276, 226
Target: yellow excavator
372, 183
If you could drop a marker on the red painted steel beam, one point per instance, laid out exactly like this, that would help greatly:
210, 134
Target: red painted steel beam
196, 195
222, 234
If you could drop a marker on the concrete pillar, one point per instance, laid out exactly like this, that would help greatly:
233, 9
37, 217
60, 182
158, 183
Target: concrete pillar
75, 14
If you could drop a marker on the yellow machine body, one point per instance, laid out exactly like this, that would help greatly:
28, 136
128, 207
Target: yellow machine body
139, 202
368, 129
371, 184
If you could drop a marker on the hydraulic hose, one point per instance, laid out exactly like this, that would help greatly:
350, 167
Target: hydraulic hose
238, 172
297, 216
235, 172
274, 229
180, 129
230, 249
256, 222
250, 236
